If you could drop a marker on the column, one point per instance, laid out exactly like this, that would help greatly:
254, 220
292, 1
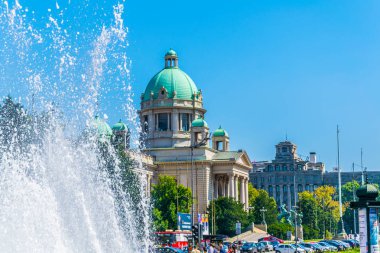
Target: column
232, 186
223, 187
236, 189
151, 126
242, 191
175, 121
216, 184
246, 193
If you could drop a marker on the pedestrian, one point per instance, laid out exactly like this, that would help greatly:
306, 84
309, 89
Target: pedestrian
195, 250
211, 248
221, 248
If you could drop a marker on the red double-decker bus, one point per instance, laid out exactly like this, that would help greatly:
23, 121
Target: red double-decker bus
176, 239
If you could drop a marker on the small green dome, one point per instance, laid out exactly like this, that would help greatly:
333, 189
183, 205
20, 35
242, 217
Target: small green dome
171, 52
102, 128
220, 132
199, 122
367, 191
120, 126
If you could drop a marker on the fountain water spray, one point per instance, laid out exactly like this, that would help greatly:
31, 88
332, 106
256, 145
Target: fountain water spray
60, 189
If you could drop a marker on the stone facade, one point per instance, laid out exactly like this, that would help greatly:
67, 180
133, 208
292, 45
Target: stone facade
288, 174
174, 132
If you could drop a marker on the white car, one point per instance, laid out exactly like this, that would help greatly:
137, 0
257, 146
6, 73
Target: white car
288, 248
266, 245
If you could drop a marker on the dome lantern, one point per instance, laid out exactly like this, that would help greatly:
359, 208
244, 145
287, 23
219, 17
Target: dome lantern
171, 59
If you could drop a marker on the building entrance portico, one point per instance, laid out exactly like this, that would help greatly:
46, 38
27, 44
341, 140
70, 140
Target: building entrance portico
232, 185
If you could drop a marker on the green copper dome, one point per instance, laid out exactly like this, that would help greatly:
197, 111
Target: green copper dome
173, 80
220, 132
103, 130
199, 122
120, 126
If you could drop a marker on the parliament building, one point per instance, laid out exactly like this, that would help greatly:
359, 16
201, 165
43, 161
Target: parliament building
177, 139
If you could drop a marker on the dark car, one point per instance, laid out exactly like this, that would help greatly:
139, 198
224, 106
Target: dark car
351, 242
340, 247
250, 247
275, 244
312, 246
168, 250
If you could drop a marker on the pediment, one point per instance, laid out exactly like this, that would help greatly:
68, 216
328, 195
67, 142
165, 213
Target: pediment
244, 159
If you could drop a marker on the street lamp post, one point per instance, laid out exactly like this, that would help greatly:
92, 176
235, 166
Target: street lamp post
263, 210
203, 142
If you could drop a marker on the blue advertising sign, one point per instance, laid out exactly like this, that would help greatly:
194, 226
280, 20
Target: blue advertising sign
374, 230
184, 221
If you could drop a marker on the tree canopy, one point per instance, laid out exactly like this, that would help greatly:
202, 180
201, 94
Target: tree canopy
227, 212
168, 198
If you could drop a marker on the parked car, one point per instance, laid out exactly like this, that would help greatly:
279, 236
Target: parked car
329, 246
323, 248
345, 245
315, 247
271, 239
335, 244
350, 242
307, 250
288, 248
267, 246
168, 250
250, 247
274, 243
239, 243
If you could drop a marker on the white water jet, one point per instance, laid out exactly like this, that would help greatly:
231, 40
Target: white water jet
57, 193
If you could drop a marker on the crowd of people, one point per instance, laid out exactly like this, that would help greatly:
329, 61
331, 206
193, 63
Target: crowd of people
214, 248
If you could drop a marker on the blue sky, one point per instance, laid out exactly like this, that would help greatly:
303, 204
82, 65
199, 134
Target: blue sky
268, 68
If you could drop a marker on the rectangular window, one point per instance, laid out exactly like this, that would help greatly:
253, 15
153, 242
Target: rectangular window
277, 167
163, 121
185, 121
146, 124
284, 167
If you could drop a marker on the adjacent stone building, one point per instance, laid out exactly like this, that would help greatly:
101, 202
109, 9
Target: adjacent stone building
173, 120
288, 174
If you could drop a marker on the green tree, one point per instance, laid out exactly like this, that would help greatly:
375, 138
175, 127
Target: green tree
262, 200
348, 195
279, 230
15, 126
253, 193
227, 212
329, 216
168, 198
309, 208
